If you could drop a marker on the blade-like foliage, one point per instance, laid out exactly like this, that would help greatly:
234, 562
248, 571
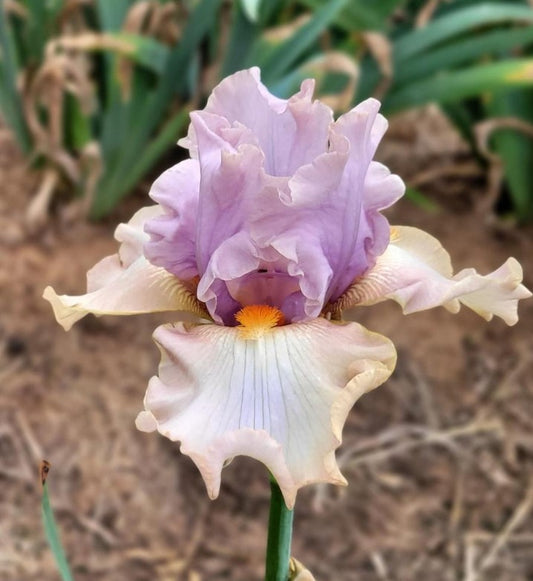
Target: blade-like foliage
457, 23
514, 147
468, 82
288, 52
52, 533
145, 79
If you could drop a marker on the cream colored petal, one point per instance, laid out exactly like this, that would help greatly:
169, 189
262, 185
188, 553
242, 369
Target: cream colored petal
140, 288
126, 283
132, 235
416, 272
282, 399
298, 572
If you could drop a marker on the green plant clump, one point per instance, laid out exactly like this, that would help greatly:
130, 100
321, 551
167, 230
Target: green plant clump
98, 92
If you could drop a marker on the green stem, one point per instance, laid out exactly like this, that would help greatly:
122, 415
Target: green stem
279, 536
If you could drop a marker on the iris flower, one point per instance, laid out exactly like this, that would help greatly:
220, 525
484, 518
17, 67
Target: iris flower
262, 243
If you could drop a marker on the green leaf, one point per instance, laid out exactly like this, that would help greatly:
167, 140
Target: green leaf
77, 124
144, 50
52, 536
112, 13
242, 37
462, 51
289, 51
464, 121
515, 148
268, 9
251, 9
130, 125
421, 200
10, 98
361, 14
199, 23
110, 192
453, 86
456, 24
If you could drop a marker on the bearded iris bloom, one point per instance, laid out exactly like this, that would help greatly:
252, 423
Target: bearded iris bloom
262, 243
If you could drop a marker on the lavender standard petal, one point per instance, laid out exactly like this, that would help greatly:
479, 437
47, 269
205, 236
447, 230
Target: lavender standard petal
286, 202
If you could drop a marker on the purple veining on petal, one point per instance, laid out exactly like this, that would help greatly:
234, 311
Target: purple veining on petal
279, 205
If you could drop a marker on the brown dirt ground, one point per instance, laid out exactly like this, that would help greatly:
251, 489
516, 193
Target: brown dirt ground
439, 459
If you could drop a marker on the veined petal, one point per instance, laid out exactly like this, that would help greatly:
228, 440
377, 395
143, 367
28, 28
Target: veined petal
282, 398
126, 283
416, 272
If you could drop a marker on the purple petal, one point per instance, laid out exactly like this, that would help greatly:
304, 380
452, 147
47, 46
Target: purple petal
172, 242
290, 132
287, 210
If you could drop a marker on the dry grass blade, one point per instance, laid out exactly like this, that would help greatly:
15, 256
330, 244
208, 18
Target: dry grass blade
517, 518
485, 129
469, 169
90, 41
399, 440
37, 211
334, 61
475, 566
278, 34
426, 13
483, 132
15, 8
152, 19
163, 23
58, 74
378, 562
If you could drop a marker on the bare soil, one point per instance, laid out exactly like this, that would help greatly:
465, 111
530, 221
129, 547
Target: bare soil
439, 460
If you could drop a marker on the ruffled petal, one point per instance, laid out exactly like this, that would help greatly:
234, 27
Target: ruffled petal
289, 202
282, 399
290, 132
327, 222
416, 272
172, 235
232, 180
358, 233
126, 283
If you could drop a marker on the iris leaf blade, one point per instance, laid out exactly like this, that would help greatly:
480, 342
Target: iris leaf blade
288, 52
463, 51
52, 536
457, 23
514, 148
456, 85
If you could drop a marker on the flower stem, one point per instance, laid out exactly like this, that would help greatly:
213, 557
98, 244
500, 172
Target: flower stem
279, 536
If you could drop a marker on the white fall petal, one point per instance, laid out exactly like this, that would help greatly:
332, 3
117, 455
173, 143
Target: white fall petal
126, 283
416, 272
282, 399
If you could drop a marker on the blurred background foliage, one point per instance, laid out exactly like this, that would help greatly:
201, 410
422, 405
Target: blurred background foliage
96, 91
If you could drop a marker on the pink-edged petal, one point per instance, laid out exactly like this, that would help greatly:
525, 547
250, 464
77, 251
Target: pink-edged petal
172, 235
282, 399
126, 283
416, 272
